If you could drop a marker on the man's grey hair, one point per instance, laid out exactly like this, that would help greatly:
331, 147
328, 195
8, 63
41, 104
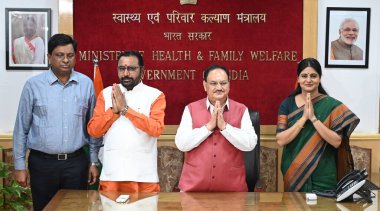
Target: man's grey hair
347, 20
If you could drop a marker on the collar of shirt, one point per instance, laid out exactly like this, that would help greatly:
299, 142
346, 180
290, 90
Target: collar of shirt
52, 78
210, 107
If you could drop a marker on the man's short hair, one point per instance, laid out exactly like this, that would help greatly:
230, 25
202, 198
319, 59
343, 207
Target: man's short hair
59, 40
132, 53
213, 67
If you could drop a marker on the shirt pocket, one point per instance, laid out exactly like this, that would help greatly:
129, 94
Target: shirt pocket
80, 108
40, 113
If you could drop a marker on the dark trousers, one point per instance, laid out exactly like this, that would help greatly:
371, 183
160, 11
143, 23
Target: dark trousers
48, 175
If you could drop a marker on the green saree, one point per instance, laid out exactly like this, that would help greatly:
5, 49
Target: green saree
308, 162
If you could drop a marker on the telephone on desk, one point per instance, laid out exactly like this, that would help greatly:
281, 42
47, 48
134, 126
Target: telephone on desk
353, 183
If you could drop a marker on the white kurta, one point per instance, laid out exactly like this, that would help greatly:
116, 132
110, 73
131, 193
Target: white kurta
130, 154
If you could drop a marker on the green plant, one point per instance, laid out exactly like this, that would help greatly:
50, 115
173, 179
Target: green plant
13, 195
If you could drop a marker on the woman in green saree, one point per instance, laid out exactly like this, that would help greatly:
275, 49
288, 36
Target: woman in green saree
311, 126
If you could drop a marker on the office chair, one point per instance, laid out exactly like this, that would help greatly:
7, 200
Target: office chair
252, 158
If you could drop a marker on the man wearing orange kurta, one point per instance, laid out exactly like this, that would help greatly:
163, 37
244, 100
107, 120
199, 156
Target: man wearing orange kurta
130, 117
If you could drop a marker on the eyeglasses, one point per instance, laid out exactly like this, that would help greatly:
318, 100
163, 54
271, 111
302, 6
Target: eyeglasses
222, 83
130, 69
62, 56
355, 30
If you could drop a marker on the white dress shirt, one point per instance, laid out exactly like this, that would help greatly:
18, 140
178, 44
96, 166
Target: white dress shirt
187, 138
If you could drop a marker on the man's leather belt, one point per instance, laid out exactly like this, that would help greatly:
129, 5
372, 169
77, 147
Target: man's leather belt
61, 156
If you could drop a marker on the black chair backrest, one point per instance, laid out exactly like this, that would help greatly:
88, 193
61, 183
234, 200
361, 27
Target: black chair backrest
252, 158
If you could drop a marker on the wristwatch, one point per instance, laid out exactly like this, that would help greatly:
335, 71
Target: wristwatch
94, 164
124, 111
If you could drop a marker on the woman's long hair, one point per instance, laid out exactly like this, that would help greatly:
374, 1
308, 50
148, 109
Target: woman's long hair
313, 63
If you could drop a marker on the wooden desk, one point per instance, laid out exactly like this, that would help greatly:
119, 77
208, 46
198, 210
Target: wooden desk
93, 200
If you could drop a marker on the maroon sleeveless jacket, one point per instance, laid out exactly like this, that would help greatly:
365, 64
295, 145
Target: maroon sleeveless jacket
215, 165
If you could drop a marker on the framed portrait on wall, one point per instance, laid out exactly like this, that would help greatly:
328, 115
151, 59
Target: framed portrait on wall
27, 33
347, 37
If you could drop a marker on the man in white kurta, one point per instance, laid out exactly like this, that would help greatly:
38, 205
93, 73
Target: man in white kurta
130, 117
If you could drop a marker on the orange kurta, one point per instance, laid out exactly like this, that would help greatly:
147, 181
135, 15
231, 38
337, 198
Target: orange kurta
135, 137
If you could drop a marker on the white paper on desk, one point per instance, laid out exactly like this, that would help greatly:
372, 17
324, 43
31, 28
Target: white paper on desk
122, 198
146, 204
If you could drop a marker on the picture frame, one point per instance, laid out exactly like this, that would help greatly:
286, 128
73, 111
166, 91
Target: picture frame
347, 37
27, 33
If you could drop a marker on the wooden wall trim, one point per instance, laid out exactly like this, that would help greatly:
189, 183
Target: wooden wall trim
65, 17
7, 138
310, 28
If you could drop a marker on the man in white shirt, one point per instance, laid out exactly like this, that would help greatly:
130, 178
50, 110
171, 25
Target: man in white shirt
214, 132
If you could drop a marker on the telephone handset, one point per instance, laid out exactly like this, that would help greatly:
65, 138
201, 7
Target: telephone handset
347, 186
350, 183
